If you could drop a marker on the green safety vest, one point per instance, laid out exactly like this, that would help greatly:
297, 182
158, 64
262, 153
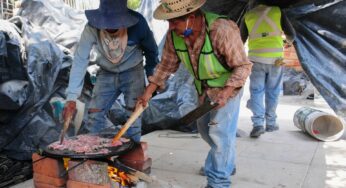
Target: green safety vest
265, 41
210, 71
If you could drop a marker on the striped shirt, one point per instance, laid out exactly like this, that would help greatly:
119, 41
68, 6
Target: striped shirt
228, 46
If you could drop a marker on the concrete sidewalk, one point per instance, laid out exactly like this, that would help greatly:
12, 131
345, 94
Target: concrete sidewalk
283, 159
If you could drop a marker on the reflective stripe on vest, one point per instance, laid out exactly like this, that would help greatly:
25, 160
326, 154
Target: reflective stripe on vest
210, 71
263, 24
265, 50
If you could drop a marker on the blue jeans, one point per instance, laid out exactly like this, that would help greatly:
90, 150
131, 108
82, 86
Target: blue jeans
218, 128
264, 80
107, 89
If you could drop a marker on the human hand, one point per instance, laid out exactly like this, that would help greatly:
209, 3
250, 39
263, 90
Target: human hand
223, 96
148, 93
201, 98
279, 62
143, 100
69, 109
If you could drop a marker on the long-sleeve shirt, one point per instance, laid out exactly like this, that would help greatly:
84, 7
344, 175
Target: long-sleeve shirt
228, 47
140, 42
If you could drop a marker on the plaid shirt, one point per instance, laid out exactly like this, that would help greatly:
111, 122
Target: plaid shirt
227, 44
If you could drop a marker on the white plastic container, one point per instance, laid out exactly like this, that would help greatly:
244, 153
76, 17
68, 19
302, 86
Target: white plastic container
319, 124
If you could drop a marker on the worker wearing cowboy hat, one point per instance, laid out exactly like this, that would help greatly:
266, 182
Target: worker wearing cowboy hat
211, 49
121, 37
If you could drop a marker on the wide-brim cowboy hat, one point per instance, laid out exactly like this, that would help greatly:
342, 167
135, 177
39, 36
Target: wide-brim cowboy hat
169, 9
112, 14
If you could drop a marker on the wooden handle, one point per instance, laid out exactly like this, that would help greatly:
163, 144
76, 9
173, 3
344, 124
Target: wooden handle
64, 129
129, 122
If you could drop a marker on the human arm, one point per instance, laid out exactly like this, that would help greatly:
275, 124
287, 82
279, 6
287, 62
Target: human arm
148, 93
150, 49
231, 49
169, 64
287, 28
244, 32
80, 63
78, 70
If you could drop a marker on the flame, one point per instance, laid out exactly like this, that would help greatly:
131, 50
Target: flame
118, 176
66, 162
115, 174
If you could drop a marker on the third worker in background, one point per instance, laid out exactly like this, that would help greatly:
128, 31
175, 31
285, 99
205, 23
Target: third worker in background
263, 28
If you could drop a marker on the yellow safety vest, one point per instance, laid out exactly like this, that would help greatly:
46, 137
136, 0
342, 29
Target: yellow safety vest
210, 71
265, 41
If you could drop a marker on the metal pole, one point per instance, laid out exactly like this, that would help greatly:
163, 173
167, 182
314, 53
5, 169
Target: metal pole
2, 10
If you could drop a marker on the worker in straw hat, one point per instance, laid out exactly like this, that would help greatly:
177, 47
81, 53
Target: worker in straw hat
120, 37
211, 49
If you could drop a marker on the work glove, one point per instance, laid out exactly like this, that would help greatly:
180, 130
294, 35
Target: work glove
279, 62
69, 109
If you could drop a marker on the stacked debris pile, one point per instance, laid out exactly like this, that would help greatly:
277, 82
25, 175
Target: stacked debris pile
62, 23
295, 82
14, 171
34, 68
31, 126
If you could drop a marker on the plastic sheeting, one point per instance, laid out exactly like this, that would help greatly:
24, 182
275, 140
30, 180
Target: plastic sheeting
33, 126
319, 41
179, 98
62, 23
13, 94
54, 29
11, 65
321, 47
233, 9
294, 83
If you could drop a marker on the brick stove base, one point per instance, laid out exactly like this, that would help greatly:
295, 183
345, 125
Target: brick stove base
89, 174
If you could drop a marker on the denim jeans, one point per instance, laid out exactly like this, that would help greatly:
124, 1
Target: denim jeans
218, 128
265, 80
107, 89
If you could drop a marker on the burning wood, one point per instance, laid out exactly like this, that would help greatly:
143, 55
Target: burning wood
121, 177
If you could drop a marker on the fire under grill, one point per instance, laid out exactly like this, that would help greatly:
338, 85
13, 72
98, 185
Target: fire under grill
128, 170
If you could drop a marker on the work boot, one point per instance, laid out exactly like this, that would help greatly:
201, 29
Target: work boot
257, 131
271, 128
201, 171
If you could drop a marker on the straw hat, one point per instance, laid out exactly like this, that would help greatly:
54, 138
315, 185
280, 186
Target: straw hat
169, 9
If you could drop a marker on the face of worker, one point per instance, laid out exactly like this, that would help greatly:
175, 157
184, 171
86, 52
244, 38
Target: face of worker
180, 24
111, 30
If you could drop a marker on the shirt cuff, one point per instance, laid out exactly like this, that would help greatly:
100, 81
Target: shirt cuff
71, 97
161, 85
